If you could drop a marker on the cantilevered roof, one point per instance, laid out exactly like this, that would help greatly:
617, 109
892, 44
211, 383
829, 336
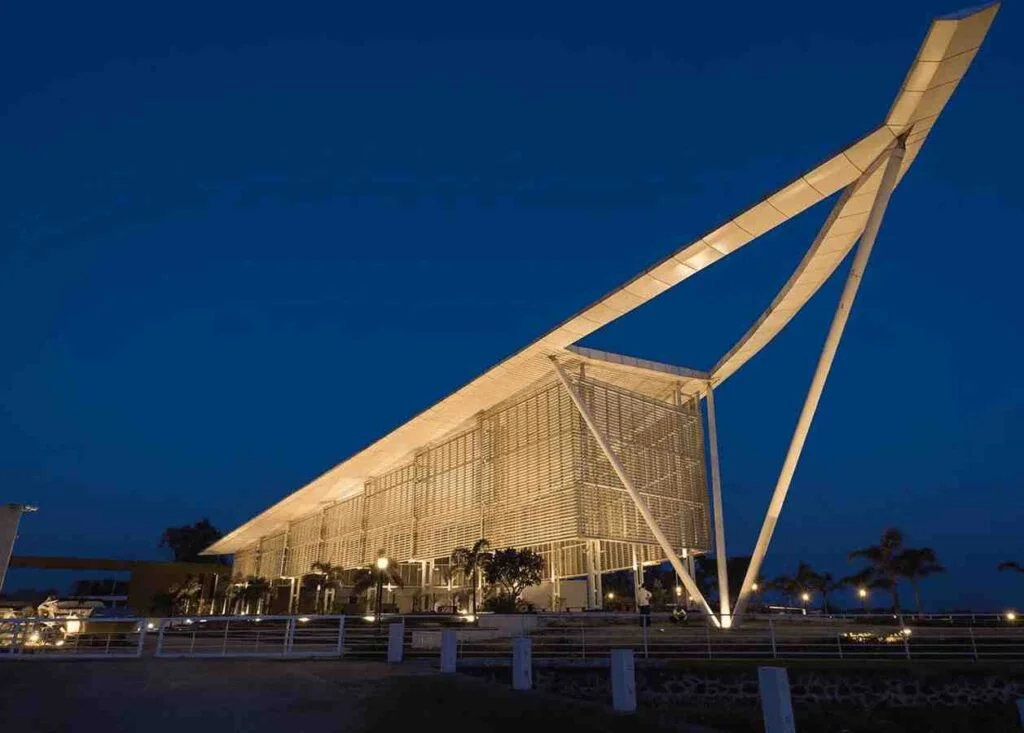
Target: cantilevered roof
941, 62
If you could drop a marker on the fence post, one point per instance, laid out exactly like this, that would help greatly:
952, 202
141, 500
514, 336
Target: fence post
776, 703
142, 637
974, 643
522, 664
341, 635
449, 642
289, 636
160, 637
771, 632
623, 681
839, 643
396, 641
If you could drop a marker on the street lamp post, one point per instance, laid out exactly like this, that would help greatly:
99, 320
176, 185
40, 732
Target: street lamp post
805, 597
862, 593
382, 567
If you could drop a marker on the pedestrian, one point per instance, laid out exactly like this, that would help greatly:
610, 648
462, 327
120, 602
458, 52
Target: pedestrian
643, 601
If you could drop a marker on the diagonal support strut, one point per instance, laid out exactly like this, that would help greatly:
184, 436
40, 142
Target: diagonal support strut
828, 353
627, 483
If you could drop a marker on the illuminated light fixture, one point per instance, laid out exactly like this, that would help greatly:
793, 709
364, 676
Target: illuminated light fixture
190, 621
150, 626
382, 563
303, 619
34, 637
679, 590
610, 595
805, 597
754, 587
72, 625
469, 617
862, 593
369, 618
1011, 615
906, 631
60, 642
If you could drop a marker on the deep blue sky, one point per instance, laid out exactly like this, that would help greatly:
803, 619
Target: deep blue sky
238, 245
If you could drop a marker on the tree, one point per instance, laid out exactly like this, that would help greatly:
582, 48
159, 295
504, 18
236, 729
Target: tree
373, 576
512, 571
188, 540
794, 586
915, 564
324, 576
884, 569
826, 584
470, 561
254, 593
185, 594
1011, 565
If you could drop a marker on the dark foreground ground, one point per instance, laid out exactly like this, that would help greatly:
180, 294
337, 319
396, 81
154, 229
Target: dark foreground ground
264, 696
292, 696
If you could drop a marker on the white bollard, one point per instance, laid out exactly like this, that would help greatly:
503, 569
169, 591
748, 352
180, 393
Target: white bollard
623, 681
449, 645
776, 704
396, 641
522, 664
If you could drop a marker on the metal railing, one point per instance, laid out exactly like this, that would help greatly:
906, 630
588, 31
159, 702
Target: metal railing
48, 638
586, 637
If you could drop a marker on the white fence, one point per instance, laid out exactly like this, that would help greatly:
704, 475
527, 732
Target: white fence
586, 637
46, 638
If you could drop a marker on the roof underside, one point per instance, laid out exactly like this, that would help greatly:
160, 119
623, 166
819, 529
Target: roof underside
941, 62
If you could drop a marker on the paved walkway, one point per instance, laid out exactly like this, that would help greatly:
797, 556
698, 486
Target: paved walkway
270, 696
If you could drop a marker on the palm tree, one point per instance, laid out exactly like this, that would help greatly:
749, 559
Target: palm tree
254, 593
1011, 565
884, 568
375, 576
470, 561
826, 584
327, 576
915, 565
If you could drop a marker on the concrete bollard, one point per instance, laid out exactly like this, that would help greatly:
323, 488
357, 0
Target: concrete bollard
449, 646
776, 704
396, 642
623, 681
522, 664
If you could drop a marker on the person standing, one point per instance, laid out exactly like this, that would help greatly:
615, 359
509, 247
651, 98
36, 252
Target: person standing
643, 601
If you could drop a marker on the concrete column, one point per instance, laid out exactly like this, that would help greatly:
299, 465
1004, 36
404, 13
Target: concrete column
623, 681
522, 664
776, 704
396, 642
449, 648
638, 575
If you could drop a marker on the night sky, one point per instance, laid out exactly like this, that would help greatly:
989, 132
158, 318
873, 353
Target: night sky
236, 246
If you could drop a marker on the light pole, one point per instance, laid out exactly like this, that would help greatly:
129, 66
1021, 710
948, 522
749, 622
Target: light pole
862, 593
805, 597
382, 567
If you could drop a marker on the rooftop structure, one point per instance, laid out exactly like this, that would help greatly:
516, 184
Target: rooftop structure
598, 459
